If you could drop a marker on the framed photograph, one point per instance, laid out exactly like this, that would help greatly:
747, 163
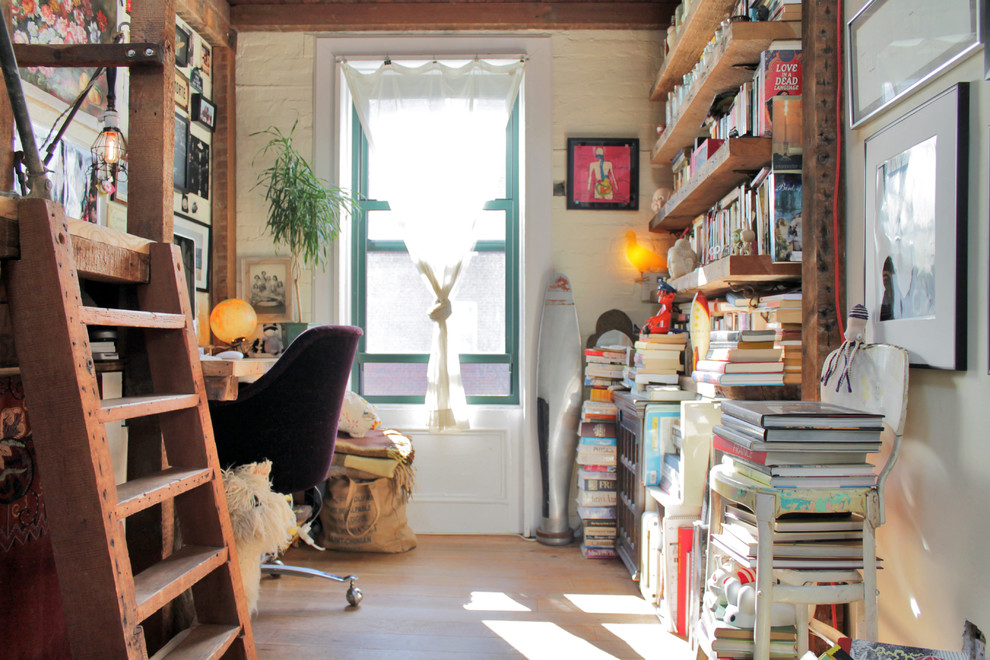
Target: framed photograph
199, 167
206, 59
266, 286
203, 111
194, 240
196, 79
603, 173
915, 238
182, 42
181, 91
180, 163
896, 45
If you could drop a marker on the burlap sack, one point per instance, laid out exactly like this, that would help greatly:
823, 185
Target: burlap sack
365, 515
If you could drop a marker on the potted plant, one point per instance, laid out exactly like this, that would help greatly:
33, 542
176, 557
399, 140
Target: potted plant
304, 211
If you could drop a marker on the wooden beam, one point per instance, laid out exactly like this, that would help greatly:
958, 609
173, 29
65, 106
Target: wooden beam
151, 125
406, 16
224, 170
210, 18
824, 236
86, 55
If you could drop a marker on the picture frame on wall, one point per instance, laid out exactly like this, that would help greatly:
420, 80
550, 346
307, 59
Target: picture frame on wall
202, 111
266, 284
206, 59
182, 41
603, 173
195, 244
199, 167
896, 45
915, 230
180, 165
181, 91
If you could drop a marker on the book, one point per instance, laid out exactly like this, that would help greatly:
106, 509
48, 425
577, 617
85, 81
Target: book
786, 126
656, 347
597, 430
585, 458
598, 553
802, 481
785, 219
801, 522
665, 338
665, 393
596, 498
741, 335
592, 484
800, 563
801, 435
599, 527
863, 469
584, 471
600, 395
599, 370
599, 541
737, 380
726, 367
587, 513
817, 549
779, 73
750, 442
595, 449
747, 532
592, 441
787, 457
800, 414
744, 355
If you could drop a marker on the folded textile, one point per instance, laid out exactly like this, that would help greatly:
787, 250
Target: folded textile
378, 443
379, 467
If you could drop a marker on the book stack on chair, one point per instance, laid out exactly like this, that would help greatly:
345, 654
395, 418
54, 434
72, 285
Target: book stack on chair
741, 358
596, 498
795, 445
657, 361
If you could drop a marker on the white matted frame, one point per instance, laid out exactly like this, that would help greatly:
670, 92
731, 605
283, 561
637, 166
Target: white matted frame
266, 284
916, 210
896, 45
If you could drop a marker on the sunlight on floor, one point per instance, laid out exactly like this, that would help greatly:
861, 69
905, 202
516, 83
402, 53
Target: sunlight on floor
610, 604
538, 640
650, 641
494, 601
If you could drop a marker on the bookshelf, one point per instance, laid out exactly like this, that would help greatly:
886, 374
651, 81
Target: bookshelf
719, 277
697, 29
728, 67
735, 161
631, 494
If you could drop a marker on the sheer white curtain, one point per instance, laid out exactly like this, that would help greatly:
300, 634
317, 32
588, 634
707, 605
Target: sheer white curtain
431, 130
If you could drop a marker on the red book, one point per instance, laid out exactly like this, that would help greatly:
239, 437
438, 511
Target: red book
780, 73
685, 541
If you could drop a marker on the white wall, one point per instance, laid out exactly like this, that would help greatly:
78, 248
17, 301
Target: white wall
935, 541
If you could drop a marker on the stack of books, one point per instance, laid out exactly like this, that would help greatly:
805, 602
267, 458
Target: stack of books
596, 498
783, 315
603, 371
739, 358
729, 641
657, 361
797, 444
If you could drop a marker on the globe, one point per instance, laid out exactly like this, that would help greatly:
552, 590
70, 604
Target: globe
233, 320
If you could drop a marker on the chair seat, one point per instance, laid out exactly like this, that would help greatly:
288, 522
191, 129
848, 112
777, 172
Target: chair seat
743, 490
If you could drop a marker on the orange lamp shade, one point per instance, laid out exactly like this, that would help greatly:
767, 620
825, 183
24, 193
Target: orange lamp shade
233, 319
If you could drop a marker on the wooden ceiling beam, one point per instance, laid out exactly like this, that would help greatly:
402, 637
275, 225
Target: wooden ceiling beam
210, 18
407, 16
75, 55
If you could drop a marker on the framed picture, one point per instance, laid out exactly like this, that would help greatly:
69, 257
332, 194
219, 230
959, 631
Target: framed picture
181, 91
194, 240
206, 59
196, 79
182, 42
180, 163
199, 167
266, 286
896, 45
915, 275
203, 111
603, 173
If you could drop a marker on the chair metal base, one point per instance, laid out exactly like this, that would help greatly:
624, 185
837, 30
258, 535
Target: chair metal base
276, 569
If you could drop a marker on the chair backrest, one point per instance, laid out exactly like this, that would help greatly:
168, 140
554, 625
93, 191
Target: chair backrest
290, 414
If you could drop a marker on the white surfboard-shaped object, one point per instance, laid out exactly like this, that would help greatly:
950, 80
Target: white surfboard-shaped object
558, 406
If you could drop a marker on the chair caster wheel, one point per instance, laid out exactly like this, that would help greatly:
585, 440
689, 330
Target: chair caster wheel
354, 596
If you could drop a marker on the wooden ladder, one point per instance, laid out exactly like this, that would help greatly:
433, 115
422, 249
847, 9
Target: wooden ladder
104, 602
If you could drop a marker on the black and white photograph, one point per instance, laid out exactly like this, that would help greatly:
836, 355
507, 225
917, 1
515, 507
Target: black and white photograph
266, 286
199, 235
199, 167
180, 164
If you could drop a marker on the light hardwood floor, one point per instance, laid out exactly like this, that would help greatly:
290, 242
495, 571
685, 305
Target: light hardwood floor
462, 597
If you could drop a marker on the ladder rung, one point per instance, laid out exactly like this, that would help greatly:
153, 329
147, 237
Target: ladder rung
201, 642
164, 581
129, 407
130, 318
139, 494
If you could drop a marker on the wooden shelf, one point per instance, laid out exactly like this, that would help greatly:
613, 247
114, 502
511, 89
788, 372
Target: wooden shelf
728, 67
735, 161
697, 29
720, 276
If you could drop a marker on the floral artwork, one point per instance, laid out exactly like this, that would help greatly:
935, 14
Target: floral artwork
65, 22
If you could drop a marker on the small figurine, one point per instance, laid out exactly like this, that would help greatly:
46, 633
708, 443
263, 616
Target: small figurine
736, 246
748, 237
273, 343
660, 197
681, 259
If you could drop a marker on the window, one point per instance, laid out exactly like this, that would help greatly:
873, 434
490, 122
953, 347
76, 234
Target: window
391, 300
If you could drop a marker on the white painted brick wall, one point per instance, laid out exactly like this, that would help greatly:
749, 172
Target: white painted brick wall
602, 81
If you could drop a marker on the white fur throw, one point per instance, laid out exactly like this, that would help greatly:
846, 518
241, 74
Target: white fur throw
262, 520
357, 416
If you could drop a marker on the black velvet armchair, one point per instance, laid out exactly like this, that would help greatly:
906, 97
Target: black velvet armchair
289, 416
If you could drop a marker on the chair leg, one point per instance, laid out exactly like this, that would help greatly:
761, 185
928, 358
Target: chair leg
276, 568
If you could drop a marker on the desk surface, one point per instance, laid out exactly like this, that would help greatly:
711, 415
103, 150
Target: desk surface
222, 376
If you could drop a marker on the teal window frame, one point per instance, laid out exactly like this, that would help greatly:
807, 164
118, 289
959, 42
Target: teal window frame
361, 245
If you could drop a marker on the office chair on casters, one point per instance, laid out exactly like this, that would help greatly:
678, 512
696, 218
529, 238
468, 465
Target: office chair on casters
289, 416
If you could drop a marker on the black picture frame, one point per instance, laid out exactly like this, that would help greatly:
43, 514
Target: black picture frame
199, 167
203, 111
182, 40
611, 183
196, 79
180, 162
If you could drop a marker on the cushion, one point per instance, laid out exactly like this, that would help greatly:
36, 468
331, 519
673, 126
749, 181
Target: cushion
357, 416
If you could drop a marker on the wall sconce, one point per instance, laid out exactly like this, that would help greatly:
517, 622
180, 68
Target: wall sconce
651, 266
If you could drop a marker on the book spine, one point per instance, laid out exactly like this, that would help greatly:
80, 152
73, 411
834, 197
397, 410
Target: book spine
729, 447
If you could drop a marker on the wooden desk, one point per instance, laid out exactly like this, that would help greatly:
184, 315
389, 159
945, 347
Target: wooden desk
222, 376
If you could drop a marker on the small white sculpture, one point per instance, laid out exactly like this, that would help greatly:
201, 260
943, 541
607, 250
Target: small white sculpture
748, 236
660, 197
681, 259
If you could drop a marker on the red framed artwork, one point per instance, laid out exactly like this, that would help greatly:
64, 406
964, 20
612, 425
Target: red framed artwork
603, 173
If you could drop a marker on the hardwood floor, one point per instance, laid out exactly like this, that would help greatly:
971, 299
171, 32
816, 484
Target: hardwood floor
462, 597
